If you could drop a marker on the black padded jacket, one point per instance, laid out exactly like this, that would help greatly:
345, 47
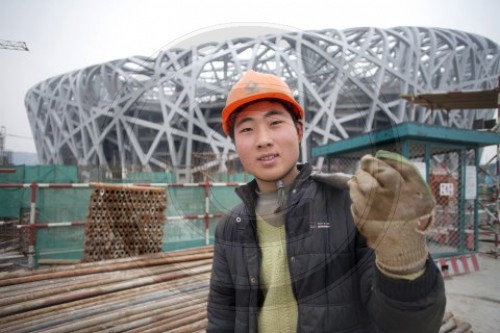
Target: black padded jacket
334, 279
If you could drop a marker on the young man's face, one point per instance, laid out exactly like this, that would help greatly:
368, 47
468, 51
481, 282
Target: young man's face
267, 141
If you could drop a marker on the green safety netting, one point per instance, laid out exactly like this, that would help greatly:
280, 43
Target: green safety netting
58, 205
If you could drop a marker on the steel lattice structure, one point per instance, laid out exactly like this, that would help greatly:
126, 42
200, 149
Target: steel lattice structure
154, 113
13, 45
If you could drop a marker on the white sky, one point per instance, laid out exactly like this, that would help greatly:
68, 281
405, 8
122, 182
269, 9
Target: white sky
66, 35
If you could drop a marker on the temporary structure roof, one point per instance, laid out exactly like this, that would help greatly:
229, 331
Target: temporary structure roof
481, 99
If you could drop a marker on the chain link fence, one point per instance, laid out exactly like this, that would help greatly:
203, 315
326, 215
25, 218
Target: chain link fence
444, 168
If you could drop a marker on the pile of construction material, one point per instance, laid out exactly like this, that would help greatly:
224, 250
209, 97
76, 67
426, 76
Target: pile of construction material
124, 221
11, 257
162, 292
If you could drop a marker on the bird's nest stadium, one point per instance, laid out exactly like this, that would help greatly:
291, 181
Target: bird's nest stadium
162, 113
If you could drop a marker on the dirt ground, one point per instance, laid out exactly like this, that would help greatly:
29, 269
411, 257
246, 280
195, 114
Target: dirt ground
475, 297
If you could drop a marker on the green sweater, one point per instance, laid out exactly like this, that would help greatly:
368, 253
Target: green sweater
279, 311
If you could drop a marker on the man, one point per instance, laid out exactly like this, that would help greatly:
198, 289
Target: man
300, 255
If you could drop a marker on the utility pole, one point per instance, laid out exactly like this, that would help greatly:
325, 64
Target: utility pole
3, 156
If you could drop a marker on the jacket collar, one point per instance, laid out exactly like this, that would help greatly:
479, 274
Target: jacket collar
248, 192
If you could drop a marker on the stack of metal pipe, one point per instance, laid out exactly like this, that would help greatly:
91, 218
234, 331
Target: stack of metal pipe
124, 221
162, 292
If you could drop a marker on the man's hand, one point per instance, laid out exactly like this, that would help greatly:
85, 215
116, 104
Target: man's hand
392, 206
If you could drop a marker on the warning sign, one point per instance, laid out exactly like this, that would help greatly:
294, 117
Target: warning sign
446, 189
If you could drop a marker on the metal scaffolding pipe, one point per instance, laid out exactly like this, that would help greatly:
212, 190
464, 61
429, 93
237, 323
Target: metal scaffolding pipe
158, 292
99, 267
169, 325
141, 319
90, 292
70, 287
74, 312
165, 289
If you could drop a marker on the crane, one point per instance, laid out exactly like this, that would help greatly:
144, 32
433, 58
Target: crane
13, 45
8, 45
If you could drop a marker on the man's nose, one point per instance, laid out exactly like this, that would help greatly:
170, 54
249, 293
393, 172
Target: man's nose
264, 138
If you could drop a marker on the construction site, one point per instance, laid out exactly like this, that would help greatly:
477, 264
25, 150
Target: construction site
113, 231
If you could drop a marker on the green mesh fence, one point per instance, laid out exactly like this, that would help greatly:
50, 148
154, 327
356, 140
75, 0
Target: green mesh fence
59, 243
26, 174
184, 201
185, 226
240, 177
62, 205
181, 234
190, 201
58, 205
71, 204
222, 199
12, 201
147, 177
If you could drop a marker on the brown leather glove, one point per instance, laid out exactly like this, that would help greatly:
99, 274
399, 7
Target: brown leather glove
392, 206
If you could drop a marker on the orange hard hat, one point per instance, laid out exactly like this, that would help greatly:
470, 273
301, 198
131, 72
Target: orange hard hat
255, 86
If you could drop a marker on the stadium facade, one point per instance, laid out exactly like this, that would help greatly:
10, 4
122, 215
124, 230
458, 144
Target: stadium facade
162, 113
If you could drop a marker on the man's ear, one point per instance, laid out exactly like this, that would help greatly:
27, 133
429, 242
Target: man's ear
300, 129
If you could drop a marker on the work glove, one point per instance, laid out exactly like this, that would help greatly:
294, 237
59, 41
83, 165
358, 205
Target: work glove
392, 206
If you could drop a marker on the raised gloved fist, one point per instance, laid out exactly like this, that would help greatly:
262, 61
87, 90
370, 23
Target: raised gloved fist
392, 206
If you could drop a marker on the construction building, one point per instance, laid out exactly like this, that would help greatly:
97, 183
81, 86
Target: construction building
162, 113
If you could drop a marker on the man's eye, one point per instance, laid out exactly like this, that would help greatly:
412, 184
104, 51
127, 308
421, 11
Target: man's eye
276, 122
245, 129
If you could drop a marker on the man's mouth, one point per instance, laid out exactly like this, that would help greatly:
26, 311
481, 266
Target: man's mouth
268, 157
